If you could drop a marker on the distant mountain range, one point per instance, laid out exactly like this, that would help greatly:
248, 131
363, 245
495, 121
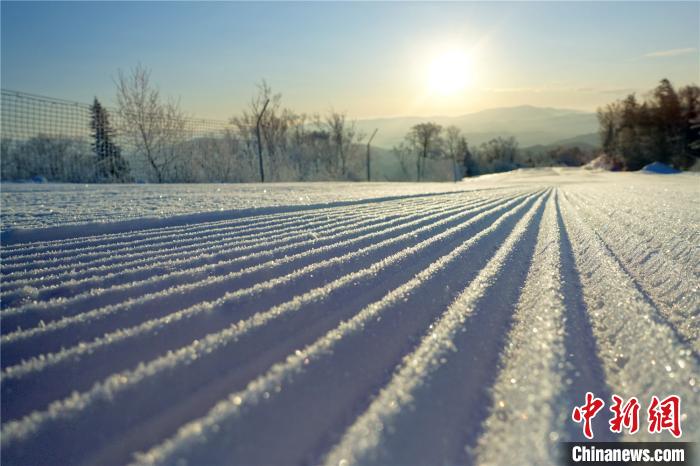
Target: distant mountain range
589, 141
529, 125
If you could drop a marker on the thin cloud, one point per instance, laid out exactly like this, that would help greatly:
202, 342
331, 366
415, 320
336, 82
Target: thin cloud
623, 90
671, 52
562, 89
535, 90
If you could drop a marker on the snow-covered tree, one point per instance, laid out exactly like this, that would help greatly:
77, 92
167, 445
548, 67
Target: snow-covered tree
110, 165
425, 139
153, 126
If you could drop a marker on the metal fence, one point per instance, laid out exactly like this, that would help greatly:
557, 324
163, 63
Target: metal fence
53, 139
27, 115
28, 119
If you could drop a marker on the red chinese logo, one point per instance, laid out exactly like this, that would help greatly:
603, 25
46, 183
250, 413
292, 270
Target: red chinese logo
587, 412
626, 415
662, 414
665, 415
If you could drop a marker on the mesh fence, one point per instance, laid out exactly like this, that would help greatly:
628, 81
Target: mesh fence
27, 115
65, 141
55, 138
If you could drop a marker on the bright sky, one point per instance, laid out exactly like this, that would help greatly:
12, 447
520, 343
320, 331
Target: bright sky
369, 59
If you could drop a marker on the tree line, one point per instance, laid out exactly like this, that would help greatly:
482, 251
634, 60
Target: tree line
149, 141
426, 141
663, 127
266, 142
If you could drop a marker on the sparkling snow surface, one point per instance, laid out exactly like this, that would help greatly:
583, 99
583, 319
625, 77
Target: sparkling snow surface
28, 205
338, 323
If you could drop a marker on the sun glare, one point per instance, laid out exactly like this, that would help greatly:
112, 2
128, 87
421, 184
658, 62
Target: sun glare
449, 73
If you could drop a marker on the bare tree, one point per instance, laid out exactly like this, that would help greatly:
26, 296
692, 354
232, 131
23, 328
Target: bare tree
425, 138
155, 127
403, 153
498, 155
217, 158
457, 149
343, 135
55, 158
262, 126
300, 154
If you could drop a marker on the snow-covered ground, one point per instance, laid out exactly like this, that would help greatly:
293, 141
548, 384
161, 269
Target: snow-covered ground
32, 205
454, 323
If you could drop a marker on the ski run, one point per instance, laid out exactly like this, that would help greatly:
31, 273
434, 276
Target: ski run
342, 324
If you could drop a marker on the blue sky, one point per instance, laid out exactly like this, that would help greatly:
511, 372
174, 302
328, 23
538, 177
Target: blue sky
369, 59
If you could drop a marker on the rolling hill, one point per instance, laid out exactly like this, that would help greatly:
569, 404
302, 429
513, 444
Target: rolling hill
529, 125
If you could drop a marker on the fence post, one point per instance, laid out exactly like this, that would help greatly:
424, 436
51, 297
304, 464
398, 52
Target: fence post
369, 177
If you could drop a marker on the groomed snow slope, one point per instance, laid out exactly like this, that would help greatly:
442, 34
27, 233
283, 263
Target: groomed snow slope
439, 324
27, 205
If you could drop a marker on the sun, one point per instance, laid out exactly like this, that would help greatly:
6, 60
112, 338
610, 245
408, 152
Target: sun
449, 73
